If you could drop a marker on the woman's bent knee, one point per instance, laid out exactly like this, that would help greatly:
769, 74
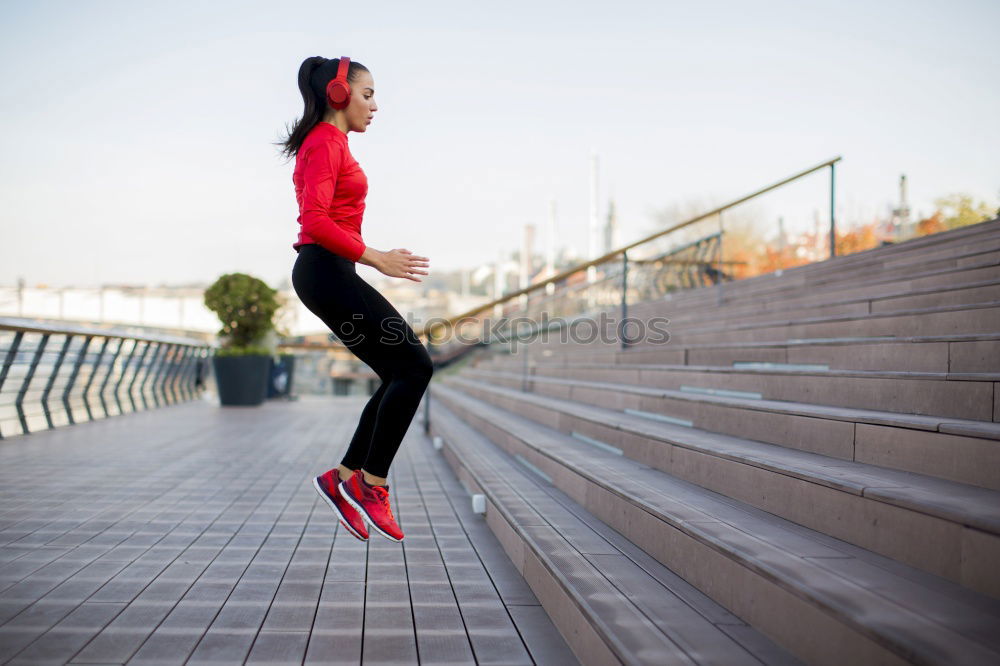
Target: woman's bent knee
415, 377
422, 368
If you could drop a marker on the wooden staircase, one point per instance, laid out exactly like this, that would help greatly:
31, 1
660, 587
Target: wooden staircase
807, 472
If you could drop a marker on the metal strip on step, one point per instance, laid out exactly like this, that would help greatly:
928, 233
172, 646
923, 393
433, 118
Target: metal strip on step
880, 338
521, 459
660, 417
598, 444
722, 392
764, 365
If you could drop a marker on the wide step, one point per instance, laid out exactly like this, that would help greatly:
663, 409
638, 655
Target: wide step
946, 528
825, 600
612, 602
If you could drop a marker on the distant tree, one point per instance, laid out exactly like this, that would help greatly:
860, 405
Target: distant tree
743, 245
931, 225
860, 238
774, 258
959, 210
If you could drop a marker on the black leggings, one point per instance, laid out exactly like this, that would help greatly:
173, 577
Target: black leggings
375, 332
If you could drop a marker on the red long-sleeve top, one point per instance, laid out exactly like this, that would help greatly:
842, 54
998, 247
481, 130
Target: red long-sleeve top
330, 188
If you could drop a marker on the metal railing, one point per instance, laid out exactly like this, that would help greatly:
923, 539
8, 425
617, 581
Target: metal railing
639, 271
58, 373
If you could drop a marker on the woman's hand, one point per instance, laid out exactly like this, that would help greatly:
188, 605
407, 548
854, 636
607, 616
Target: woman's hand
399, 263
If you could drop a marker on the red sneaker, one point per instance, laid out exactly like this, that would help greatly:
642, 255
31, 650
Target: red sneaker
372, 502
326, 485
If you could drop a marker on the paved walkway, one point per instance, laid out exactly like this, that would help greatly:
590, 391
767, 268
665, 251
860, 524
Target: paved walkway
192, 534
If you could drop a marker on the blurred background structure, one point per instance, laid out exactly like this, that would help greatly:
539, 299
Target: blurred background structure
802, 470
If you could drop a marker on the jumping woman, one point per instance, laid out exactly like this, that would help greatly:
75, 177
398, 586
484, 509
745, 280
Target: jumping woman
330, 188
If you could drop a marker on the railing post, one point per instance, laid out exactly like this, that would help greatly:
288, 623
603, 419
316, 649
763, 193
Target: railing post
81, 356
170, 382
135, 376
833, 215
427, 397
177, 360
151, 370
9, 360
107, 377
90, 379
163, 374
19, 402
427, 411
52, 380
193, 373
621, 332
721, 276
524, 368
188, 387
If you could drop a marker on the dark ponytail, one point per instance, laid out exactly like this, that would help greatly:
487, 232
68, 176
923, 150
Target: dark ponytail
314, 74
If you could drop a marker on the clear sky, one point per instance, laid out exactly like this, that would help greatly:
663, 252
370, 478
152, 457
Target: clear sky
137, 136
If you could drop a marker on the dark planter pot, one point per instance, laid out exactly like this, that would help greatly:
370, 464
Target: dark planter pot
242, 380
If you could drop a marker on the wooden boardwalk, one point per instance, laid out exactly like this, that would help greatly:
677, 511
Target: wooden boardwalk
192, 534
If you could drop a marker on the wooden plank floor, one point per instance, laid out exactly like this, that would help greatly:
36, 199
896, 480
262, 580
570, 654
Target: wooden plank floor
192, 534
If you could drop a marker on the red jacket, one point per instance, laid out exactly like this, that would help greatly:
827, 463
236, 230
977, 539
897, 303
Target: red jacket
330, 188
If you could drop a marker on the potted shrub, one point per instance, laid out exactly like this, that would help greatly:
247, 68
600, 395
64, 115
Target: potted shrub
245, 305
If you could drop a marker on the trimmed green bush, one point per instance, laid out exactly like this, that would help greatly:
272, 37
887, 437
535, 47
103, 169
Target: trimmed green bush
246, 306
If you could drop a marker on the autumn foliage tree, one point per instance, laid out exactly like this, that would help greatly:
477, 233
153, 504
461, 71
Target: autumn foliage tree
858, 239
931, 225
959, 210
747, 253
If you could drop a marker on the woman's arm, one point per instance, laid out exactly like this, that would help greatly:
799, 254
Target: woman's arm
395, 263
319, 183
322, 166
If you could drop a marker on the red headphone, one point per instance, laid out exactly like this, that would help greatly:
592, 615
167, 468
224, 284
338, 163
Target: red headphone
338, 92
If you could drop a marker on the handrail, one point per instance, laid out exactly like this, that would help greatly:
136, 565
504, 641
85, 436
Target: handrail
28, 325
173, 373
562, 275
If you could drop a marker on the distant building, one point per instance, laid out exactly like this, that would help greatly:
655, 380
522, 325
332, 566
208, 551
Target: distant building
611, 233
902, 224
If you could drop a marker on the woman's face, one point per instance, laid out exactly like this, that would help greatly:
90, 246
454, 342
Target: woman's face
362, 106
